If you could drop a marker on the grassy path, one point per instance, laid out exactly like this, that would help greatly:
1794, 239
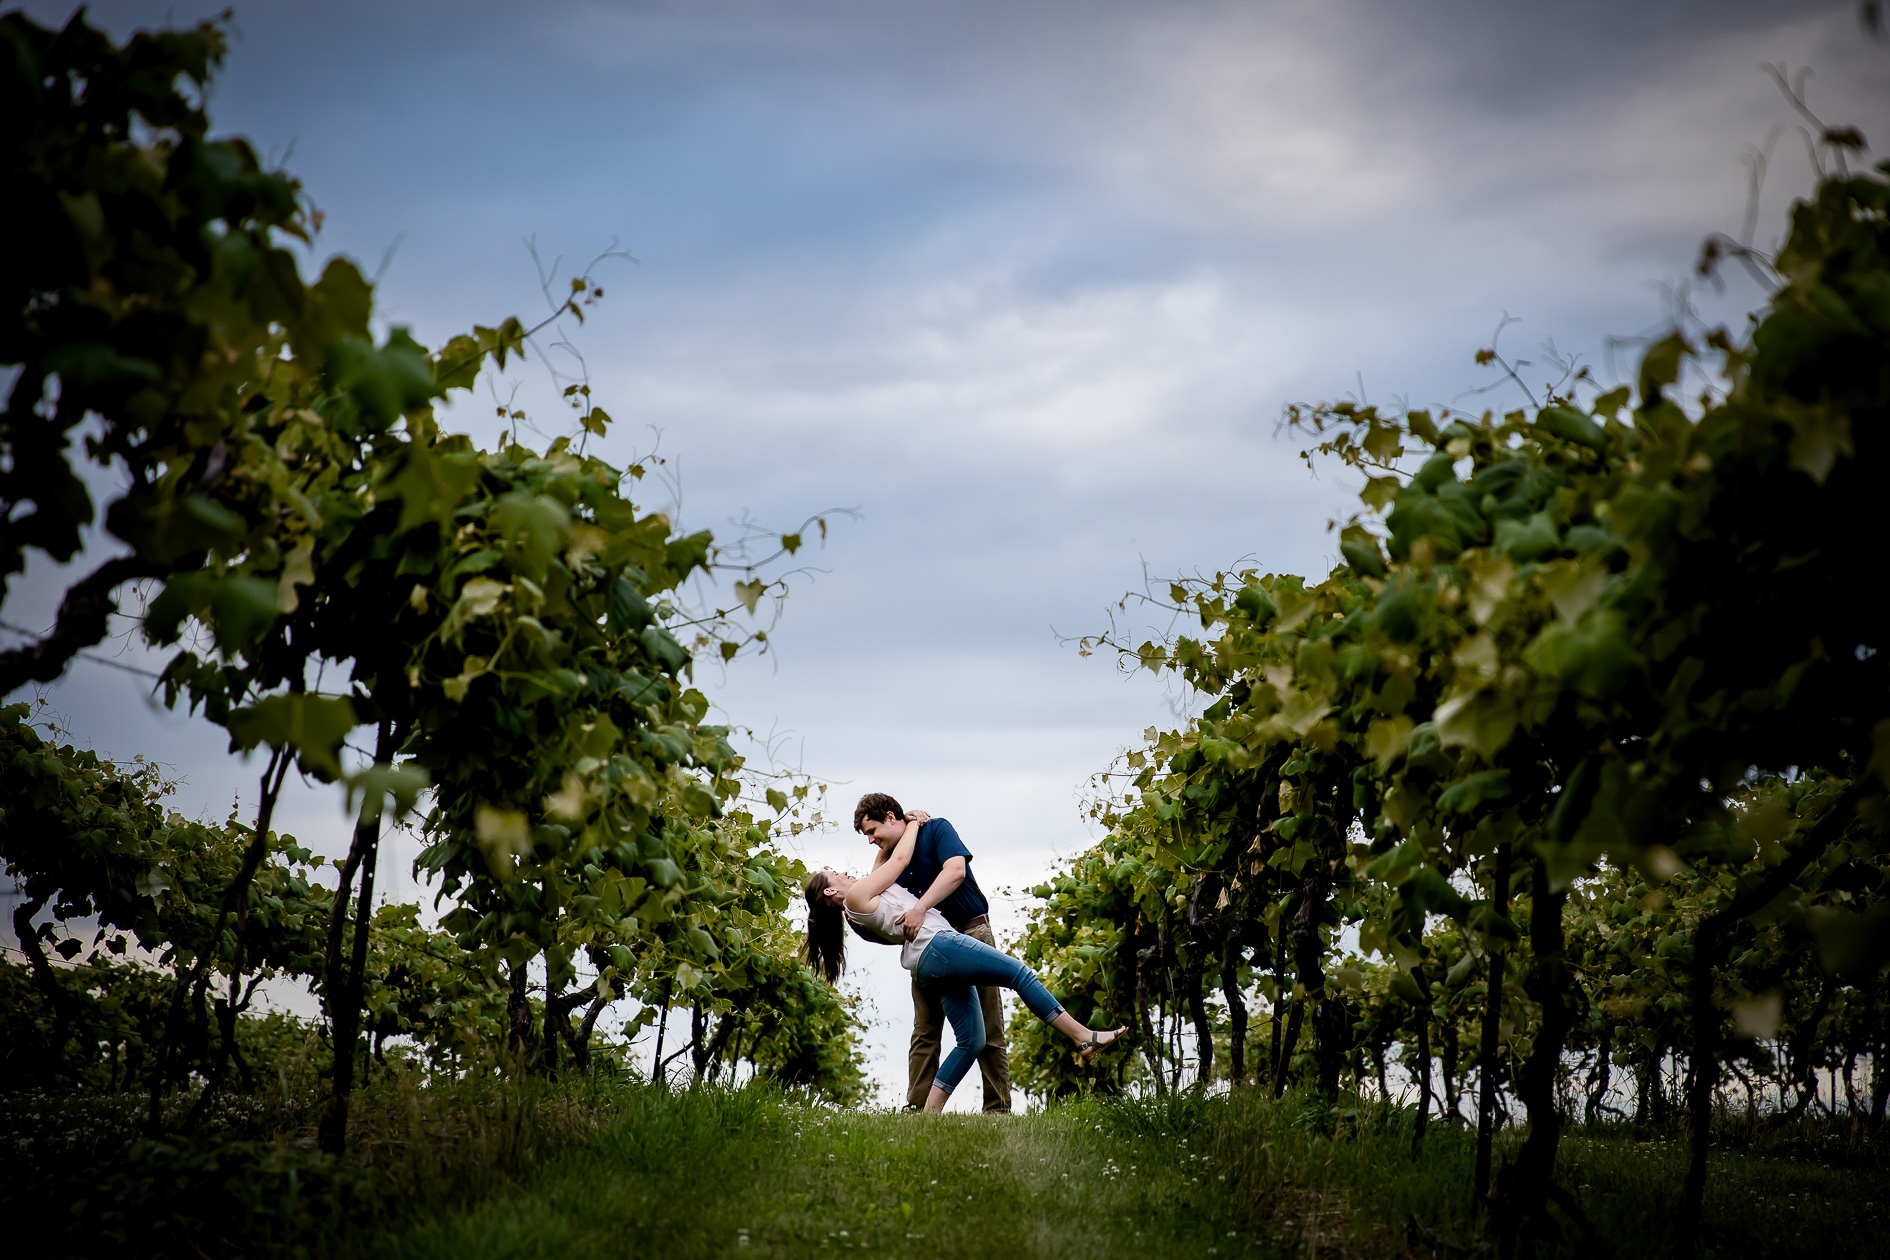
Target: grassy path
734, 1175
751, 1173
510, 1167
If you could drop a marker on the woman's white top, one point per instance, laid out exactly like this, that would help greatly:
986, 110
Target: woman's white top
883, 925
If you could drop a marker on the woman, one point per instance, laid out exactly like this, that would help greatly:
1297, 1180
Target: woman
943, 960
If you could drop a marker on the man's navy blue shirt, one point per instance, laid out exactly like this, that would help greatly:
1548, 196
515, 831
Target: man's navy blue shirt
938, 841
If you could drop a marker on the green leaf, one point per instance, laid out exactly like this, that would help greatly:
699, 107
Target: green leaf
1385, 739
1363, 555
662, 648
1473, 790
314, 726
480, 597
533, 528
1417, 515
1593, 656
334, 308
1588, 540
475, 562
1379, 492
749, 593
431, 485
1398, 612
1852, 946
168, 529
1572, 426
1819, 436
1660, 366
457, 364
1524, 541
600, 738
1610, 403
1381, 443
1257, 604
87, 368
1482, 722
1393, 867
1494, 926
1573, 801
628, 609
237, 608
507, 339
1436, 471
87, 218
503, 836
637, 688
1428, 889
386, 382
1566, 863
182, 595
684, 555
374, 785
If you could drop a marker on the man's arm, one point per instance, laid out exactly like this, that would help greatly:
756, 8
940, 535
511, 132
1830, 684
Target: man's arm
951, 874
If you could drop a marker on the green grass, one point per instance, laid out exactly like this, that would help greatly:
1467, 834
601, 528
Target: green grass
724, 1174
1344, 1179
721, 1174
1827, 1207
524, 1168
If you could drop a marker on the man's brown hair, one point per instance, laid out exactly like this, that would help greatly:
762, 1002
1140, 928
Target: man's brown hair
877, 806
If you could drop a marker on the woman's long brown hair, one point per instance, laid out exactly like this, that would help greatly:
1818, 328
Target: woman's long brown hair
826, 932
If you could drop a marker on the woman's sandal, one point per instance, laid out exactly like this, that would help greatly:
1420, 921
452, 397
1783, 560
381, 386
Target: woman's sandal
1093, 1046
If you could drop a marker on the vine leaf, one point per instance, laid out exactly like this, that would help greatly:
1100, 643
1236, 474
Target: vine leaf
314, 726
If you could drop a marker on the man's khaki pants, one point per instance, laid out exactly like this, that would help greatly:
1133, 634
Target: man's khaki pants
928, 1027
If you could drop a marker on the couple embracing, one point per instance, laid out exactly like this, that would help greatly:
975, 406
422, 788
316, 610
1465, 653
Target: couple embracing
921, 897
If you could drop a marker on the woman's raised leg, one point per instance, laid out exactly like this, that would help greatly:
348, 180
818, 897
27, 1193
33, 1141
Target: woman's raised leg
957, 957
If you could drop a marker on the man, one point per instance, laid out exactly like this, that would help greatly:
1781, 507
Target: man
940, 875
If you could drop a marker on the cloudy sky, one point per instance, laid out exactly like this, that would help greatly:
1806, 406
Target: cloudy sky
1022, 285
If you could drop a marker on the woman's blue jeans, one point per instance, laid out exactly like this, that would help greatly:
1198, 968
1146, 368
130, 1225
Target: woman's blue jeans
950, 969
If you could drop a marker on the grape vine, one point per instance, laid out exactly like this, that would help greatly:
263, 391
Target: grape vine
514, 657
1587, 740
